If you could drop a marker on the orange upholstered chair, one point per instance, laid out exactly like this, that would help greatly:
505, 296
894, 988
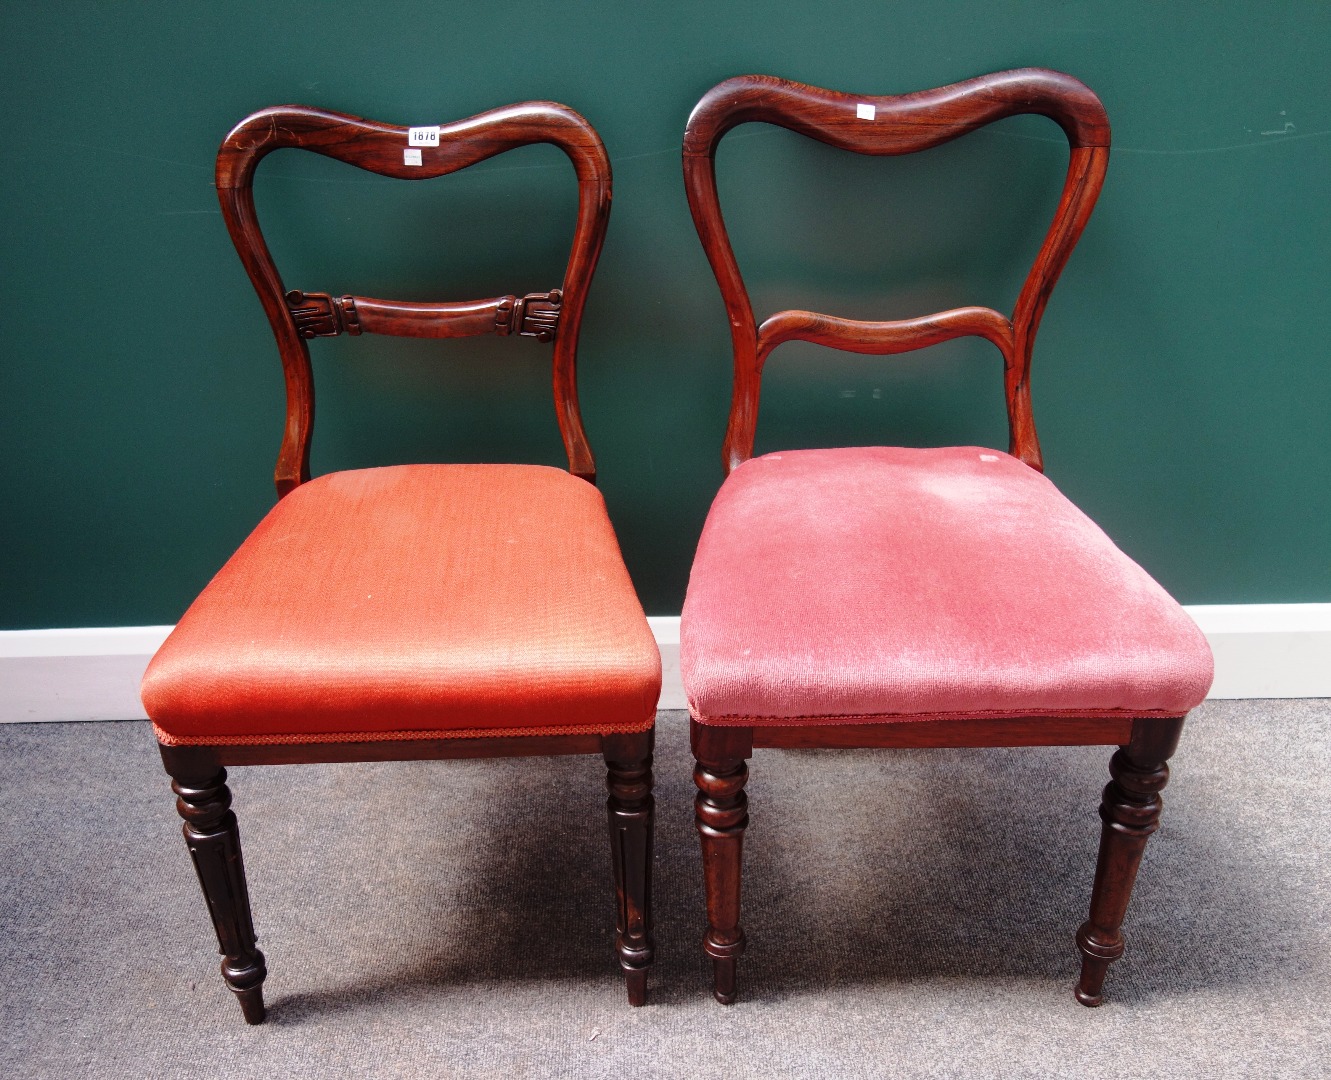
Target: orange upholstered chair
899, 597
416, 611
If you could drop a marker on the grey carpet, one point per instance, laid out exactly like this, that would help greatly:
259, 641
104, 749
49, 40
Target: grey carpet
909, 913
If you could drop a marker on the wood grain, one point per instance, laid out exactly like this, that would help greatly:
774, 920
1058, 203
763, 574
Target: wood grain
631, 811
535, 315
901, 124
310, 753
213, 839
378, 147
298, 315
921, 734
213, 836
721, 815
1130, 809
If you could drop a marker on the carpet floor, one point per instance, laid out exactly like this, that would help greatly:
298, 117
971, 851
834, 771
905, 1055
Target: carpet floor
910, 913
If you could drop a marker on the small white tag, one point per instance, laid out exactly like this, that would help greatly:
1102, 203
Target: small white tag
865, 112
423, 136
411, 155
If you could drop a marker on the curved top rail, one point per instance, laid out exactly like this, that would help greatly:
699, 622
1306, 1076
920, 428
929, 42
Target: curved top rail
890, 125
899, 124
379, 148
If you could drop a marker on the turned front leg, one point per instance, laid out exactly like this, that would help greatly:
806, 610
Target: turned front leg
721, 812
1130, 810
213, 839
631, 811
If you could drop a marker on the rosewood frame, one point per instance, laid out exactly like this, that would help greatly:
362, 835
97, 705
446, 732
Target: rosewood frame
203, 800
904, 124
378, 148
1129, 808
199, 772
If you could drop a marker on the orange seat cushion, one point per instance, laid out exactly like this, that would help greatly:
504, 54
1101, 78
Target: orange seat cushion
410, 602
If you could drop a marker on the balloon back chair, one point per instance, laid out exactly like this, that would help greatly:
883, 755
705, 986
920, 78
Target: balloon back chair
417, 611
896, 597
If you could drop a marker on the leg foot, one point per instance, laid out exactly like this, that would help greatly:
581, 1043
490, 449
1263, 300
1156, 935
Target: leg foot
723, 976
636, 981
631, 811
251, 1004
213, 839
721, 815
1130, 810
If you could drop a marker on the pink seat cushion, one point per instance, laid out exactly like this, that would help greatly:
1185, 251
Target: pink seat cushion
883, 583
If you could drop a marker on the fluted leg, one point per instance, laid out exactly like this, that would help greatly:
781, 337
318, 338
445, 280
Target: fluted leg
213, 840
721, 811
631, 811
1130, 810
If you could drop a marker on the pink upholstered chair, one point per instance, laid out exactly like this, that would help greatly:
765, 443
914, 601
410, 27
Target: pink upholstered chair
894, 597
413, 611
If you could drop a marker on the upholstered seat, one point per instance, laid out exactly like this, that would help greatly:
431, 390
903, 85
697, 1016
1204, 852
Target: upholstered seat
414, 601
415, 612
886, 597
882, 583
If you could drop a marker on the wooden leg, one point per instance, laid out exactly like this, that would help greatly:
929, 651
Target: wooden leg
631, 810
1130, 810
721, 811
213, 840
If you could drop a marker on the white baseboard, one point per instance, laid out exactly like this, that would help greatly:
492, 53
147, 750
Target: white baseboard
75, 674
1261, 651
666, 630
1268, 650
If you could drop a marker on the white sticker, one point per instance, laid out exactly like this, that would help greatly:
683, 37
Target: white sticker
865, 112
423, 136
411, 155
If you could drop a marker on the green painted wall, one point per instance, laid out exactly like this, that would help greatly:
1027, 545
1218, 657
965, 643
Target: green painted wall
1182, 378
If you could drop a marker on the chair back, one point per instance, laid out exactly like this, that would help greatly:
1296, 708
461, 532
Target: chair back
894, 125
416, 154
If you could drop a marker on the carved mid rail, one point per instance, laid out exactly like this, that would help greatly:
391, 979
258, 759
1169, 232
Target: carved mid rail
535, 315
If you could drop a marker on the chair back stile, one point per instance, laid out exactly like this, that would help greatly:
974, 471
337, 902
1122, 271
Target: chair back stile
296, 316
894, 125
